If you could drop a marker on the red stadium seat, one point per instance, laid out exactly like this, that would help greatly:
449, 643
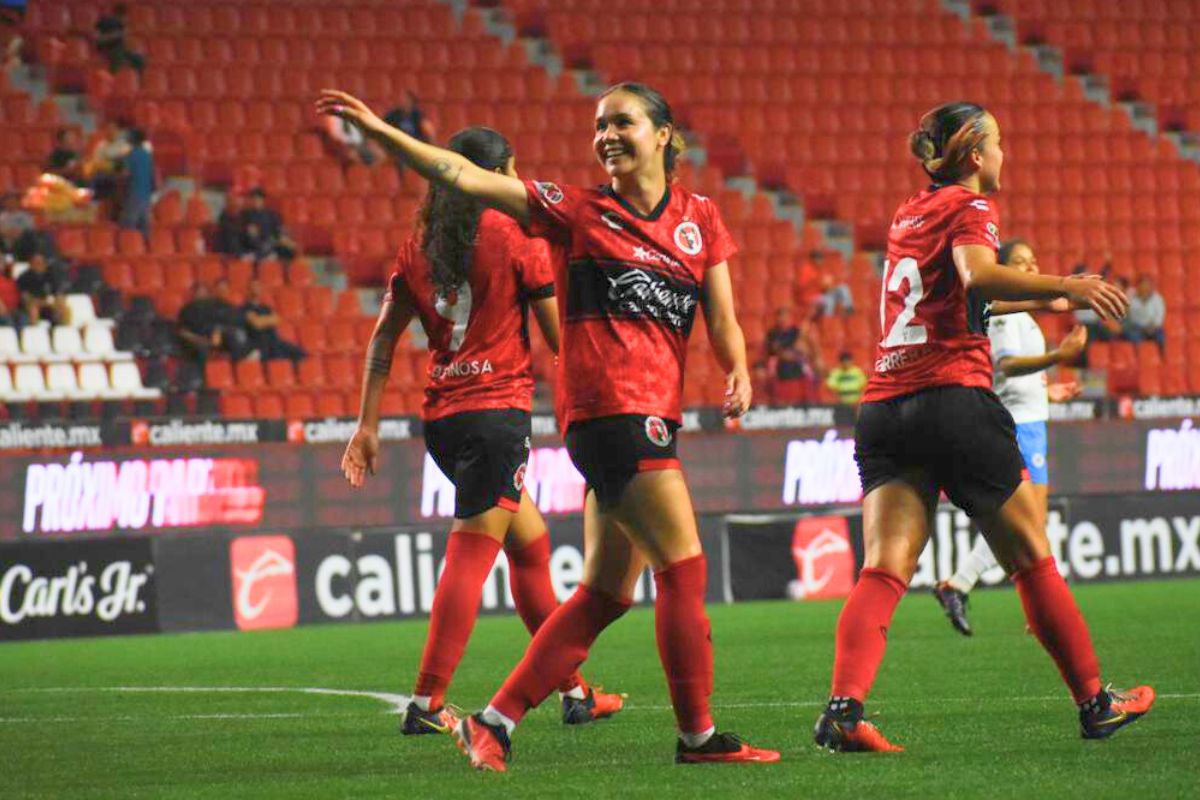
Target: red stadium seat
268, 406
281, 374
330, 404
249, 375
218, 374
236, 406
299, 405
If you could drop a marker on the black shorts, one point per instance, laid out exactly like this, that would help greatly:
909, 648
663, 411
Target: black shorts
609, 451
484, 454
962, 439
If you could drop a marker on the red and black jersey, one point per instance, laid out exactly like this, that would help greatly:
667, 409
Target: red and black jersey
627, 294
933, 332
479, 334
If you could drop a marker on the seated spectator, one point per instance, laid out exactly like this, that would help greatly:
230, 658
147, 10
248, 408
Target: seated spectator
346, 142
10, 301
834, 295
110, 41
263, 236
846, 380
140, 183
64, 160
228, 236
41, 292
12, 216
209, 324
789, 362
104, 162
261, 322
17, 243
1146, 314
410, 119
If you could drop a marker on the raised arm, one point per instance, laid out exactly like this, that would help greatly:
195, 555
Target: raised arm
501, 192
978, 270
728, 342
362, 452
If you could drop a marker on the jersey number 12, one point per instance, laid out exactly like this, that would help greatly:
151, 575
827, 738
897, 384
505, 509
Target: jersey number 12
459, 313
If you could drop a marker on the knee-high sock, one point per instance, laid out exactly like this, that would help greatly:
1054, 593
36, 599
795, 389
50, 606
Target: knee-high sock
862, 632
469, 559
560, 645
533, 592
685, 641
1055, 619
977, 562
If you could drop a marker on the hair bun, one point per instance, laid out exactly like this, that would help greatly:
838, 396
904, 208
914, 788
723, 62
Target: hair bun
922, 145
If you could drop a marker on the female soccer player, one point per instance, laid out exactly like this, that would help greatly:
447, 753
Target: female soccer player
930, 422
469, 274
1020, 360
641, 254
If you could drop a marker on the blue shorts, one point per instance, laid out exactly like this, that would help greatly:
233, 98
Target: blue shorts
1031, 439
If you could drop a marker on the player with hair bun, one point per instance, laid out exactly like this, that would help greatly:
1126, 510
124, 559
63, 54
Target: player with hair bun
929, 422
642, 253
470, 274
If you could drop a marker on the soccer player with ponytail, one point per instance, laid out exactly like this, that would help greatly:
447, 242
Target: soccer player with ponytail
470, 274
929, 422
641, 254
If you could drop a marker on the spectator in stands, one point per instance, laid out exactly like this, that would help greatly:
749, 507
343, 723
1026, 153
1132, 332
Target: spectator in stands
1146, 314
347, 143
846, 380
228, 236
12, 216
261, 322
834, 295
263, 236
789, 361
11, 313
41, 292
409, 118
64, 159
207, 324
140, 183
809, 284
18, 243
104, 162
110, 41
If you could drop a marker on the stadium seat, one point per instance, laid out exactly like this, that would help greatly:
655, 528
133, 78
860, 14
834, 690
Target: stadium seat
8, 392
35, 342
330, 404
126, 379
268, 405
80, 310
249, 373
68, 343
98, 341
28, 379
10, 347
93, 382
280, 374
299, 405
62, 379
236, 406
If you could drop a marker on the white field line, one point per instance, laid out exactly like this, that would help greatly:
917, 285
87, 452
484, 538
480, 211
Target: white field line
397, 702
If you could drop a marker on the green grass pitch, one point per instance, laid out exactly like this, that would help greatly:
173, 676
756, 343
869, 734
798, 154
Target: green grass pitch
981, 717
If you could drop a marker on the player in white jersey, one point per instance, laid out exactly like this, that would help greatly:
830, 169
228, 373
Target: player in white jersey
1020, 361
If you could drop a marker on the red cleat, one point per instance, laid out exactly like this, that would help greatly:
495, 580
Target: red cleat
597, 705
845, 734
487, 746
1125, 706
723, 748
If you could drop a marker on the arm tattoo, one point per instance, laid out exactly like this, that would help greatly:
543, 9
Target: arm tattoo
379, 355
448, 172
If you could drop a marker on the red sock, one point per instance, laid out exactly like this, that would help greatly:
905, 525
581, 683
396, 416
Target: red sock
1055, 619
469, 559
532, 591
862, 632
685, 641
558, 648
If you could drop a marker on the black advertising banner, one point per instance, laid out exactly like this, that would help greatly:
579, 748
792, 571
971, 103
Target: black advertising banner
90, 588
194, 583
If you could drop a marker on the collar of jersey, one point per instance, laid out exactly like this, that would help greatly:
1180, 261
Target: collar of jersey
652, 216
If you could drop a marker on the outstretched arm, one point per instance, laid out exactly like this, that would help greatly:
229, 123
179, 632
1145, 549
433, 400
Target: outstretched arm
501, 192
362, 452
727, 339
1066, 353
978, 270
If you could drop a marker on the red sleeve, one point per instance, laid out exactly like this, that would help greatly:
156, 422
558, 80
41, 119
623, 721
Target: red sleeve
977, 222
397, 283
551, 208
720, 243
535, 271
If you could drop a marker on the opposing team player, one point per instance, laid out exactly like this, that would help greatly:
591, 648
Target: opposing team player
642, 253
469, 274
1020, 361
930, 422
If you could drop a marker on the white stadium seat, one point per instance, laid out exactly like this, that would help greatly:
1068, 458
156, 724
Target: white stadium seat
10, 347
61, 378
93, 382
67, 342
127, 380
29, 379
80, 311
8, 393
35, 341
98, 340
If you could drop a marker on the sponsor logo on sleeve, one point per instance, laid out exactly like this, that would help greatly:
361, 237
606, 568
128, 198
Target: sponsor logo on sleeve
549, 192
264, 582
981, 205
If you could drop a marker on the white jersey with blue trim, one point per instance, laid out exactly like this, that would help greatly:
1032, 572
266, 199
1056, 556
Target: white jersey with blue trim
1024, 396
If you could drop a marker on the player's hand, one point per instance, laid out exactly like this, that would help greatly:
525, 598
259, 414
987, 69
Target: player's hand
1072, 346
1062, 392
349, 107
737, 394
1059, 305
361, 456
1092, 292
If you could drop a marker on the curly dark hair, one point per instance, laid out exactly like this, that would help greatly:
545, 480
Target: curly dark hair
449, 219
